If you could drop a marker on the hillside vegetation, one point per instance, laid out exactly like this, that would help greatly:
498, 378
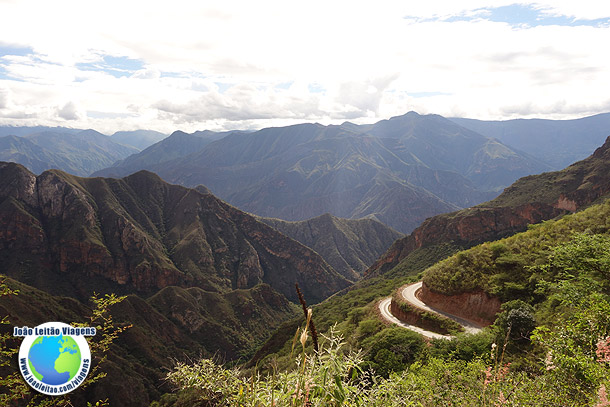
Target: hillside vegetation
550, 347
350, 246
398, 171
511, 268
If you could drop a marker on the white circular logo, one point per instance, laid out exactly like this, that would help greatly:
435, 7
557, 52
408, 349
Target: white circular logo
54, 358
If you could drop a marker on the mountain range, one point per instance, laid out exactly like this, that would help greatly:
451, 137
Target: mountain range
531, 199
202, 276
398, 171
139, 235
177, 145
558, 143
139, 139
78, 153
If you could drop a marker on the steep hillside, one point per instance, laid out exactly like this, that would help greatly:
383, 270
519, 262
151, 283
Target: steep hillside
502, 269
556, 142
442, 144
511, 269
174, 324
73, 236
531, 199
548, 345
34, 157
78, 153
349, 246
399, 171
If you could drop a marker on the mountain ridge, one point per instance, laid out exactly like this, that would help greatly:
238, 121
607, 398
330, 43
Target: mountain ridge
140, 234
350, 246
302, 171
75, 152
530, 199
557, 142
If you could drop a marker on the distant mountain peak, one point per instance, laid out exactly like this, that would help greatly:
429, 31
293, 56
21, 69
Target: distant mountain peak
528, 200
399, 171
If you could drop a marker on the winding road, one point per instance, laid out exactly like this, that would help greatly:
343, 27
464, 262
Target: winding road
384, 308
410, 294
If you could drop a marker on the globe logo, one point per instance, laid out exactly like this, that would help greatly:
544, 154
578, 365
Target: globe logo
54, 358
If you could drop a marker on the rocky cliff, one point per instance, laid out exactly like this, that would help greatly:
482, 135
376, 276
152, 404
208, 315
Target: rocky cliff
531, 199
73, 235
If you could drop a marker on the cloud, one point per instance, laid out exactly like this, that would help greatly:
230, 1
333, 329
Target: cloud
365, 96
241, 102
236, 63
4, 98
68, 112
147, 73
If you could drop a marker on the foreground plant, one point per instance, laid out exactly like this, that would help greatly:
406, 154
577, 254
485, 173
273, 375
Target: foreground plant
329, 377
13, 389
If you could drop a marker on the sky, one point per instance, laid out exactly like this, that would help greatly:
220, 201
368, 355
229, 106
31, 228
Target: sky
233, 64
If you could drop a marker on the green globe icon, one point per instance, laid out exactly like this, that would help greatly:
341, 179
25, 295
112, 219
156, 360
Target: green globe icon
54, 360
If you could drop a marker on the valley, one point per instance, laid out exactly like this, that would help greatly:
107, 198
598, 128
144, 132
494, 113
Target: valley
201, 277
304, 204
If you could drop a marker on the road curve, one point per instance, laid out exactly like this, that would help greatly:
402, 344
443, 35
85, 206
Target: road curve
384, 309
409, 293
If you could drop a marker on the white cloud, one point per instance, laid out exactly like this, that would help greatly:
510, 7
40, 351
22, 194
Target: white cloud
4, 98
226, 63
68, 112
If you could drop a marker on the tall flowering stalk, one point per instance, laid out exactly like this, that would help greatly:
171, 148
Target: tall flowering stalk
310, 324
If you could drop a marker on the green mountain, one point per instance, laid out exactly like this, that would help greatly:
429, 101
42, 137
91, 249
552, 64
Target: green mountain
399, 171
27, 153
178, 144
175, 324
581, 185
548, 346
441, 143
507, 268
350, 246
531, 199
556, 142
140, 235
201, 277
78, 153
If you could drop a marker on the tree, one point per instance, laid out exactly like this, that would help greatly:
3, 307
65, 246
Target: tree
13, 389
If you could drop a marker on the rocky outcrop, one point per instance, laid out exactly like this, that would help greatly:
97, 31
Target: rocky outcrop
477, 307
139, 234
530, 200
465, 228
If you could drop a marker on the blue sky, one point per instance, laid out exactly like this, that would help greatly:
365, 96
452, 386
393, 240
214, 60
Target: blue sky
526, 15
237, 64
